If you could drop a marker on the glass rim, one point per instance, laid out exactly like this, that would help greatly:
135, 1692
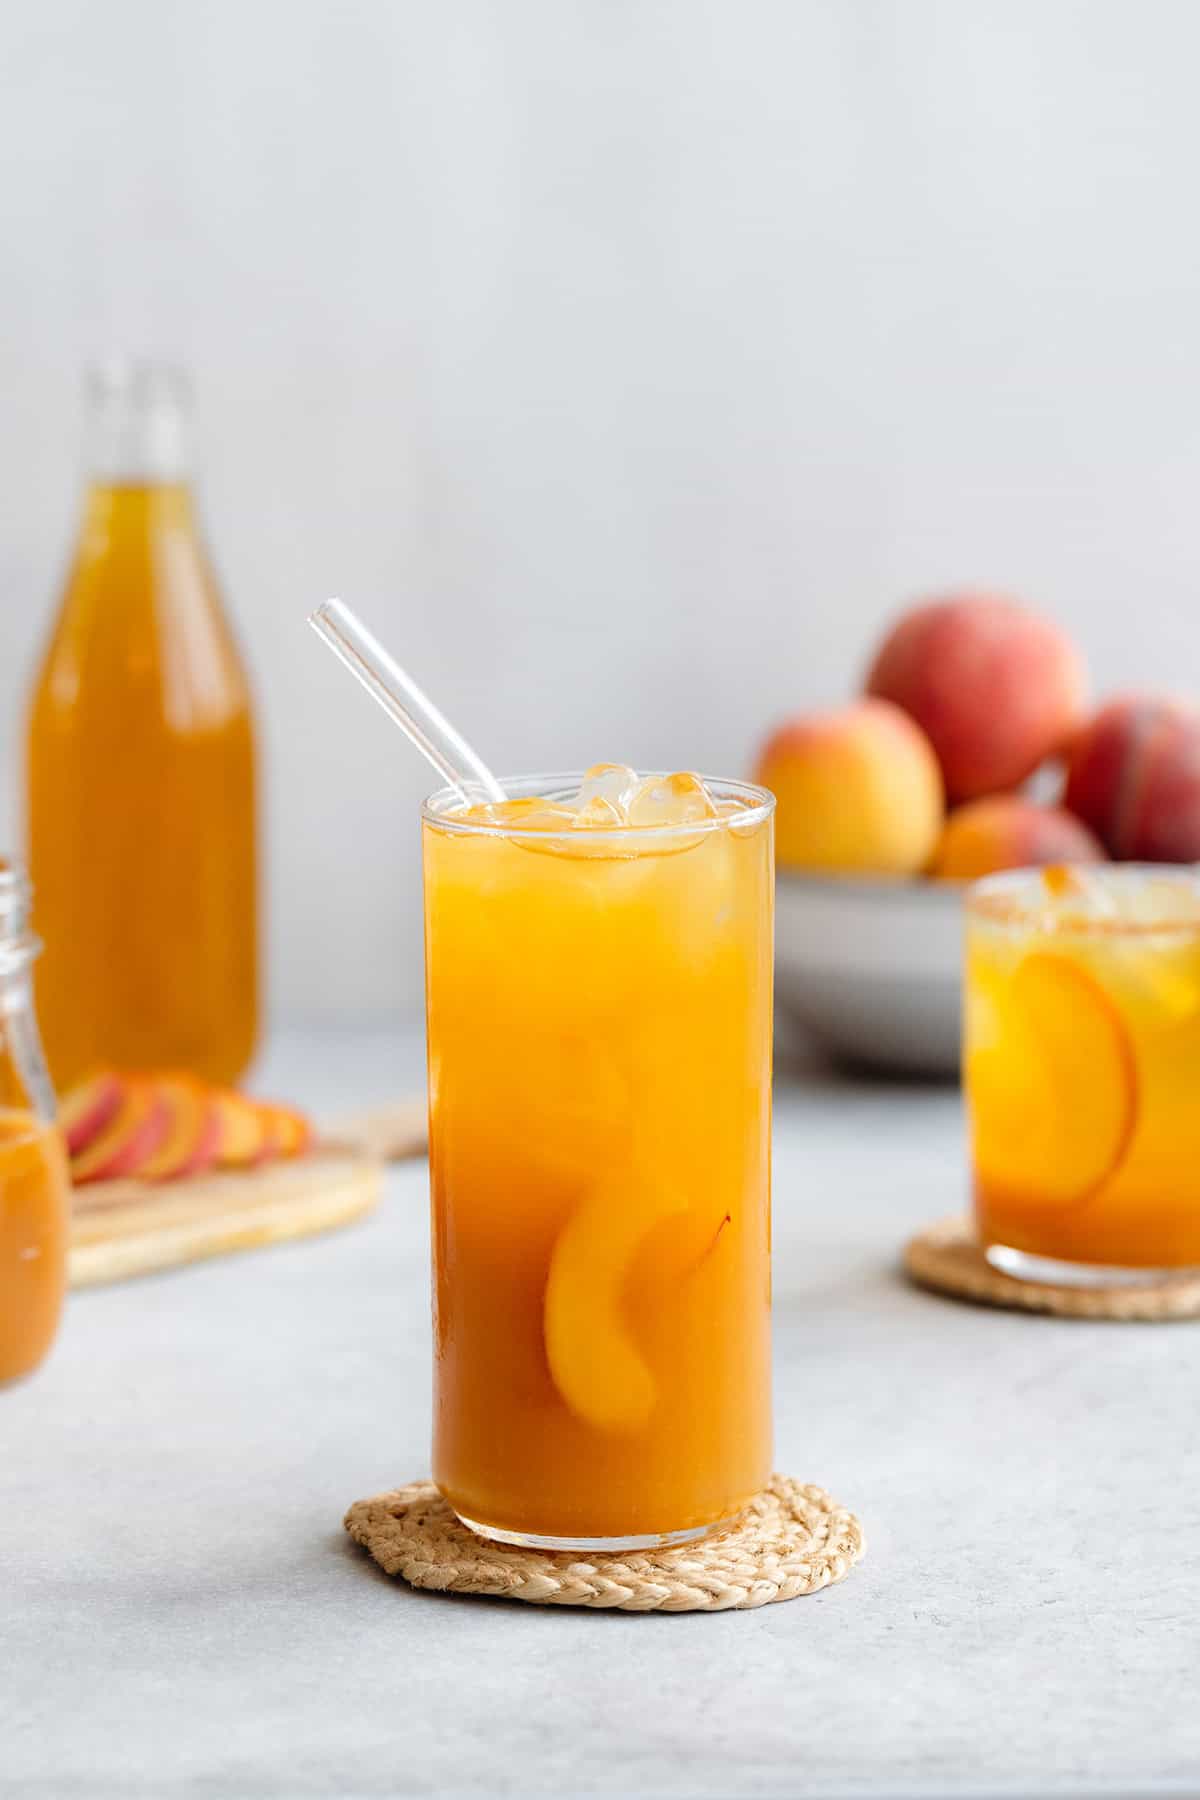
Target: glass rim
18, 945
1017, 898
758, 805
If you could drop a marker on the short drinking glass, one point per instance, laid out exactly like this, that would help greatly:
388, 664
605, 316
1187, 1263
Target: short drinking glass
1082, 1071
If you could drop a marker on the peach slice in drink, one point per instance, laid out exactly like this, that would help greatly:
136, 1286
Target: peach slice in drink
597, 1368
1052, 1084
606, 1265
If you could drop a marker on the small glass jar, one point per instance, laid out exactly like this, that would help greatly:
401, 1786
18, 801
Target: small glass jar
35, 1183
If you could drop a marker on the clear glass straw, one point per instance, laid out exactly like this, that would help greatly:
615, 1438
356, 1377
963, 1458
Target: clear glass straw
403, 701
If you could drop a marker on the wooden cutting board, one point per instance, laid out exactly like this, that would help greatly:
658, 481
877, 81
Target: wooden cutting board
124, 1228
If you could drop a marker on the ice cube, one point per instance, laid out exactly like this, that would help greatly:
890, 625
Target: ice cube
1143, 928
575, 831
1161, 900
535, 814
1132, 897
741, 819
680, 799
598, 813
613, 782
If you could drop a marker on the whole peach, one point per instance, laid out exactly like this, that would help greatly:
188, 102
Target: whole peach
1134, 776
995, 688
1006, 832
857, 790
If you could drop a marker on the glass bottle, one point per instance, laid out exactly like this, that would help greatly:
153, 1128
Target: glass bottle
140, 768
35, 1187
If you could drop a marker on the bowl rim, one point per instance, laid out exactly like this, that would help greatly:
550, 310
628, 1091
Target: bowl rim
881, 889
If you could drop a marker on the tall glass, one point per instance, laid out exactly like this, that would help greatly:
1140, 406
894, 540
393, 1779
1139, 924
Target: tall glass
1082, 1071
599, 1028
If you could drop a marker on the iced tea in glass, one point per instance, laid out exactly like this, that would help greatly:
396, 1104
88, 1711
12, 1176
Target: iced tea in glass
598, 966
1082, 1070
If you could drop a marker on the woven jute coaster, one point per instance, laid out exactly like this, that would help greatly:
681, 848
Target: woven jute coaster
947, 1258
791, 1540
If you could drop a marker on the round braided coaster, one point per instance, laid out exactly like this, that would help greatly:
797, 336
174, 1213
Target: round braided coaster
790, 1540
947, 1258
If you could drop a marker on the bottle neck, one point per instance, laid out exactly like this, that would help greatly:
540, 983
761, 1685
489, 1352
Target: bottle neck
137, 426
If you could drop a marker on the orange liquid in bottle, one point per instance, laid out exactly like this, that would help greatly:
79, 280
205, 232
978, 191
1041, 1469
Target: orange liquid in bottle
34, 1212
141, 802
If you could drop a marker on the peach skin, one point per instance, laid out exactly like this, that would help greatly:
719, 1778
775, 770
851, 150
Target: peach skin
134, 1133
858, 791
995, 688
1134, 776
1006, 832
88, 1108
193, 1132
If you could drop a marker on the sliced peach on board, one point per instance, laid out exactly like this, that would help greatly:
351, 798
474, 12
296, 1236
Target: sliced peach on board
88, 1108
286, 1131
193, 1132
243, 1134
131, 1136
596, 1366
1052, 1086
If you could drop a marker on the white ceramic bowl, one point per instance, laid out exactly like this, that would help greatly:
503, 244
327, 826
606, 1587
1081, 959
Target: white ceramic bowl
872, 969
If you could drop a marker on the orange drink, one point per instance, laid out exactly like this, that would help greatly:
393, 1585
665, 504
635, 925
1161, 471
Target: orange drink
140, 772
1081, 1066
598, 968
35, 1187
34, 1213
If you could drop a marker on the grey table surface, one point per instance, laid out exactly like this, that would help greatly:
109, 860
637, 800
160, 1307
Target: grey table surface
181, 1613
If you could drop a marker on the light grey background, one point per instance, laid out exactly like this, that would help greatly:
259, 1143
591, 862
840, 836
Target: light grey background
624, 361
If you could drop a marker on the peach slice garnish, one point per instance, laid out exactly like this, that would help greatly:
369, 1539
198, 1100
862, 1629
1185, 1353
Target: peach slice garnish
1053, 1085
1059, 880
286, 1131
130, 1137
88, 1108
243, 1138
596, 1366
193, 1132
